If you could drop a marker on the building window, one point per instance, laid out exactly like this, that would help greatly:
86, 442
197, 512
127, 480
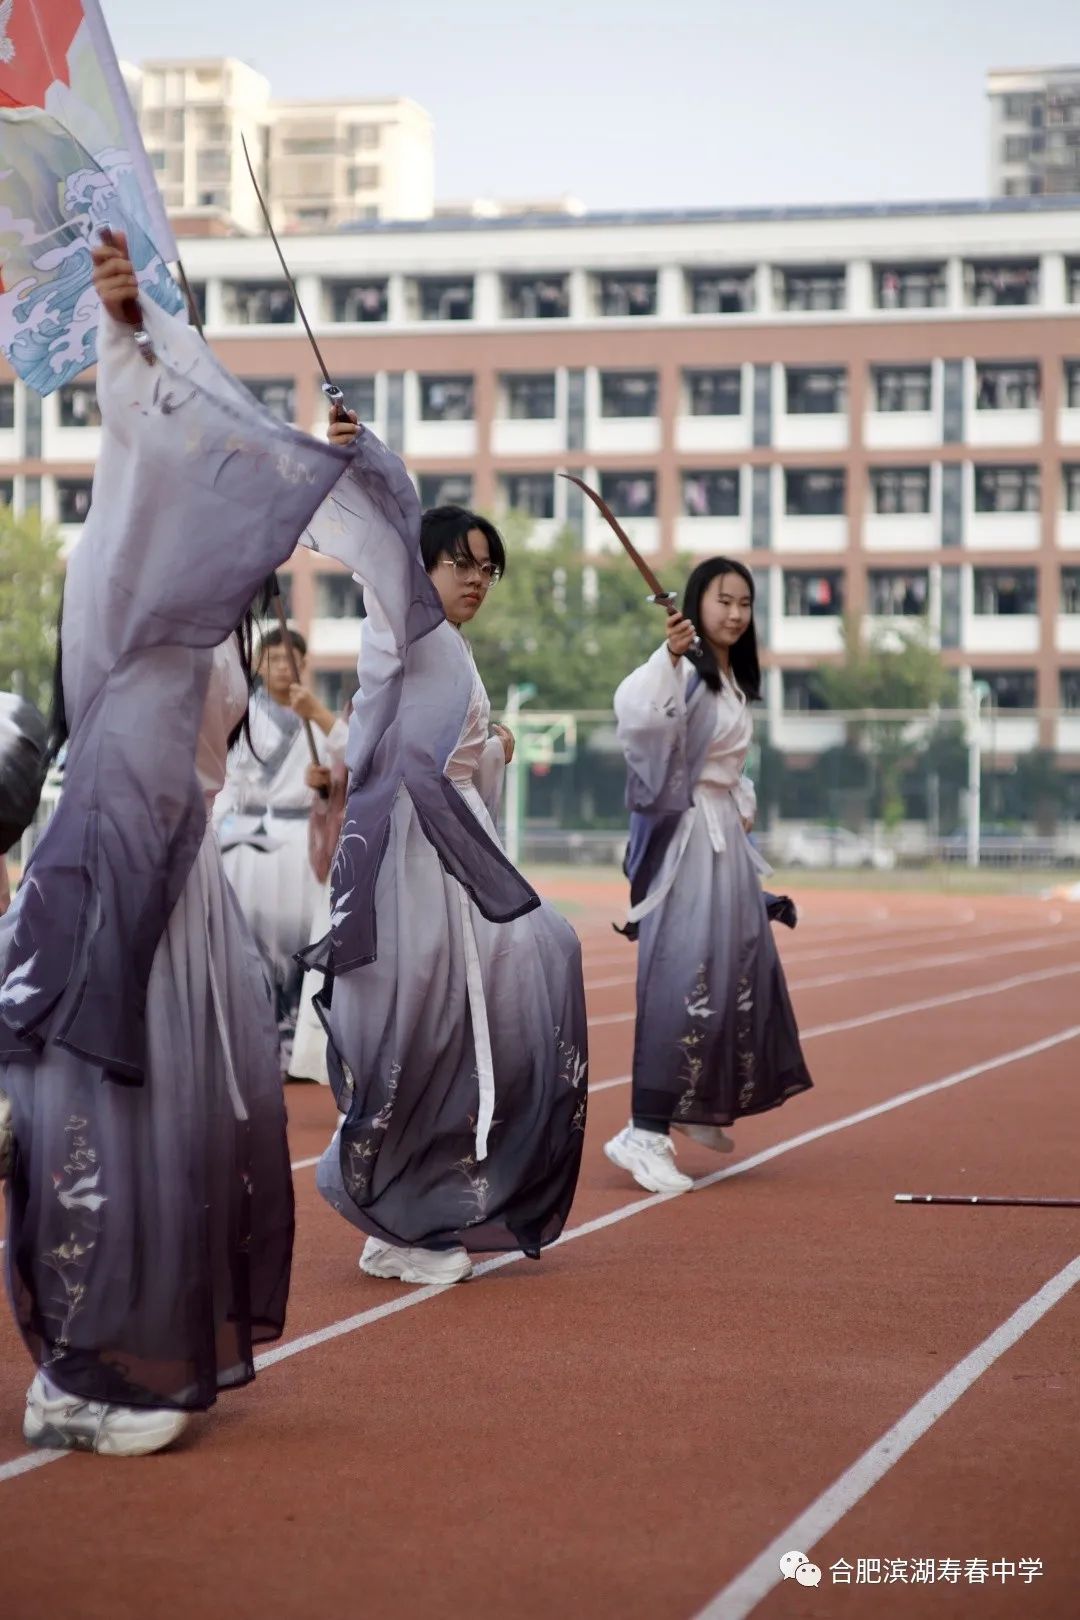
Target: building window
1070, 690
1006, 387
630, 494
902, 388
529, 396
359, 395
357, 300
1006, 489
1018, 107
714, 393
336, 687
910, 286
536, 298
1005, 591
721, 292
365, 137
444, 298
900, 489
628, 393
7, 492
1072, 487
338, 596
810, 289
1009, 688
533, 493
814, 494
816, 390
1072, 280
446, 399
631, 294
899, 595
713, 493
1072, 384
79, 406
73, 496
7, 406
812, 595
1000, 282
801, 692
247, 303
444, 489
363, 177
275, 394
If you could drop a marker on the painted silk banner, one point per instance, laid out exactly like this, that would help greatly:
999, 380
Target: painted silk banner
71, 162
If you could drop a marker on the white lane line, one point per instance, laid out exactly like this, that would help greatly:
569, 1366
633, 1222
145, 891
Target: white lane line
830, 954
860, 1022
1017, 948
757, 1580
1039, 942
906, 1007
352, 1324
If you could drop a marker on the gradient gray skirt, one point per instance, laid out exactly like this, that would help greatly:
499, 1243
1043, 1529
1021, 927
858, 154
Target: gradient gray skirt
150, 1227
404, 1062
715, 1037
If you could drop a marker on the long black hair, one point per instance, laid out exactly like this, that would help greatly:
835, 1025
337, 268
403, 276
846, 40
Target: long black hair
245, 644
745, 665
444, 532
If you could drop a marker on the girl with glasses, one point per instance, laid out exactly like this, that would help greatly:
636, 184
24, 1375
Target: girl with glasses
453, 997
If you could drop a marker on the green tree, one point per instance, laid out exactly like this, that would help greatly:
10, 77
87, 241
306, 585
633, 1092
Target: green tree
31, 582
1042, 789
571, 625
890, 669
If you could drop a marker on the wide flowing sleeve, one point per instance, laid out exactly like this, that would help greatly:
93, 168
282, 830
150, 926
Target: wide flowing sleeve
651, 722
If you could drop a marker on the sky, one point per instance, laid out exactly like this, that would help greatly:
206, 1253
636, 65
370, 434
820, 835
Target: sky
632, 104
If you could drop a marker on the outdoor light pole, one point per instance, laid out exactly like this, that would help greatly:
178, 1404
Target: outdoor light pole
515, 779
979, 690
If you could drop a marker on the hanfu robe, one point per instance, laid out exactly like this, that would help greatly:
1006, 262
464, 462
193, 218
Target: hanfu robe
453, 1001
150, 1211
715, 1036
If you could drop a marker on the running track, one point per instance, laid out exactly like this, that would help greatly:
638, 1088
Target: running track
641, 1423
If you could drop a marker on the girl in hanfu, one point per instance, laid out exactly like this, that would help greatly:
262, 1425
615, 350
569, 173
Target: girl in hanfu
454, 1001
262, 817
715, 1037
150, 1210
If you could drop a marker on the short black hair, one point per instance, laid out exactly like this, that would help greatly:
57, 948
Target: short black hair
272, 637
444, 532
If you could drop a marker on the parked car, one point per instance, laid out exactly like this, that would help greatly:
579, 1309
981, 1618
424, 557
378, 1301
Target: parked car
823, 847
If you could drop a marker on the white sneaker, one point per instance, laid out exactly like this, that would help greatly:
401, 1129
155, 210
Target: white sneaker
60, 1422
710, 1136
432, 1266
650, 1158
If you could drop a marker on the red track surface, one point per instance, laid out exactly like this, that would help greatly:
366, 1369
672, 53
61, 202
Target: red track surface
624, 1429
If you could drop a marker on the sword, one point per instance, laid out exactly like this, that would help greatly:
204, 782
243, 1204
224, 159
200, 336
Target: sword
329, 387
1001, 1203
662, 598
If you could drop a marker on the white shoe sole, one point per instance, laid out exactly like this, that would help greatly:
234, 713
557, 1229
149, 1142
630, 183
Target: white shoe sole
614, 1151
42, 1433
394, 1266
726, 1143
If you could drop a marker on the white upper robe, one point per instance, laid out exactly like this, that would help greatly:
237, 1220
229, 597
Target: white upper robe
651, 715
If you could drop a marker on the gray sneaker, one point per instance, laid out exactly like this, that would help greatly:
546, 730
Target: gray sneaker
710, 1136
59, 1422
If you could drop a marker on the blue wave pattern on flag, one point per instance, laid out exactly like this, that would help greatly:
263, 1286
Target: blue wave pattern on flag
71, 163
